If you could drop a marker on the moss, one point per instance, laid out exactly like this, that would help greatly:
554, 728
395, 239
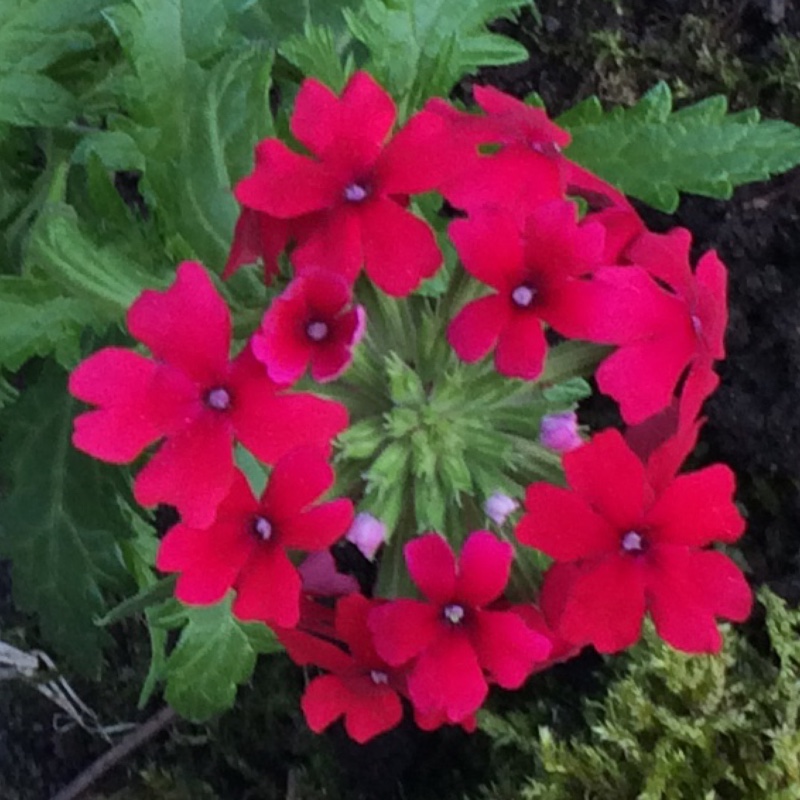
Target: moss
670, 727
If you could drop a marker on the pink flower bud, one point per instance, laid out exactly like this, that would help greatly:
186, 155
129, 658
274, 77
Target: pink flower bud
499, 506
559, 432
367, 533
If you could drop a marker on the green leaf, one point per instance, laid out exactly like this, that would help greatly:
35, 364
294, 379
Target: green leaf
37, 320
194, 127
420, 49
318, 54
215, 653
651, 152
275, 21
60, 524
34, 35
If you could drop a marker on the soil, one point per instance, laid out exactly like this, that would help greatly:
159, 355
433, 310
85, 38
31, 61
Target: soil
746, 49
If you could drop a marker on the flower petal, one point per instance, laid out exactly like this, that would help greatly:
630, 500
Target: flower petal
318, 528
507, 648
298, 479
561, 524
447, 676
188, 325
432, 567
483, 569
270, 424
688, 589
268, 589
607, 475
490, 247
402, 629
475, 329
285, 184
697, 508
192, 471
521, 348
400, 249
600, 603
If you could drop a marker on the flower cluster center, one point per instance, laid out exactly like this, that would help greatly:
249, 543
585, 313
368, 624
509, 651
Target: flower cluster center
523, 296
218, 398
262, 528
633, 542
454, 613
317, 330
355, 192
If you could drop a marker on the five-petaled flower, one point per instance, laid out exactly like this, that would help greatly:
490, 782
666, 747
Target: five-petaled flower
623, 548
360, 686
312, 322
355, 188
538, 276
245, 548
193, 397
454, 639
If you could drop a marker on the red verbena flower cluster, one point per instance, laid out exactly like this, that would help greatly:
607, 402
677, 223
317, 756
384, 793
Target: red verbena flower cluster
629, 536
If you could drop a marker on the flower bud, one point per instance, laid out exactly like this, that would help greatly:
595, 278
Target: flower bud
499, 506
367, 533
559, 432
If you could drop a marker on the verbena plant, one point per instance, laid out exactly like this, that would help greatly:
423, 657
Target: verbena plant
375, 338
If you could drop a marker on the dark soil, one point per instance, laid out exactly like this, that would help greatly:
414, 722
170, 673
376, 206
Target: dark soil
748, 50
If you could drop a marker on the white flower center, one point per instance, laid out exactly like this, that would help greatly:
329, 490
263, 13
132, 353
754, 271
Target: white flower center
219, 399
355, 192
523, 295
378, 677
262, 528
454, 613
632, 542
317, 330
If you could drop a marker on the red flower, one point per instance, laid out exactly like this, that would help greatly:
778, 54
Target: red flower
536, 278
356, 185
245, 548
313, 322
623, 548
687, 329
453, 637
193, 398
360, 685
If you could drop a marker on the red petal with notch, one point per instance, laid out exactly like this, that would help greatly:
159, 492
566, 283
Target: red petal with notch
474, 331
447, 676
432, 567
561, 524
268, 589
483, 569
332, 243
270, 424
400, 250
192, 470
318, 528
298, 479
688, 589
603, 602
697, 508
286, 185
521, 348
507, 648
490, 247
188, 325
608, 476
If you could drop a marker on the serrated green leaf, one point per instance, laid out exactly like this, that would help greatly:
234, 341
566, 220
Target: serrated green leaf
36, 320
276, 21
214, 655
60, 524
418, 49
651, 152
318, 54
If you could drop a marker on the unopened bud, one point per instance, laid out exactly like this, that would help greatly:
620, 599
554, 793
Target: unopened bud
367, 533
559, 432
499, 506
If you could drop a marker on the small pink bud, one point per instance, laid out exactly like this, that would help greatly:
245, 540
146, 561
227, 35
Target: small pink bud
559, 432
367, 533
499, 506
